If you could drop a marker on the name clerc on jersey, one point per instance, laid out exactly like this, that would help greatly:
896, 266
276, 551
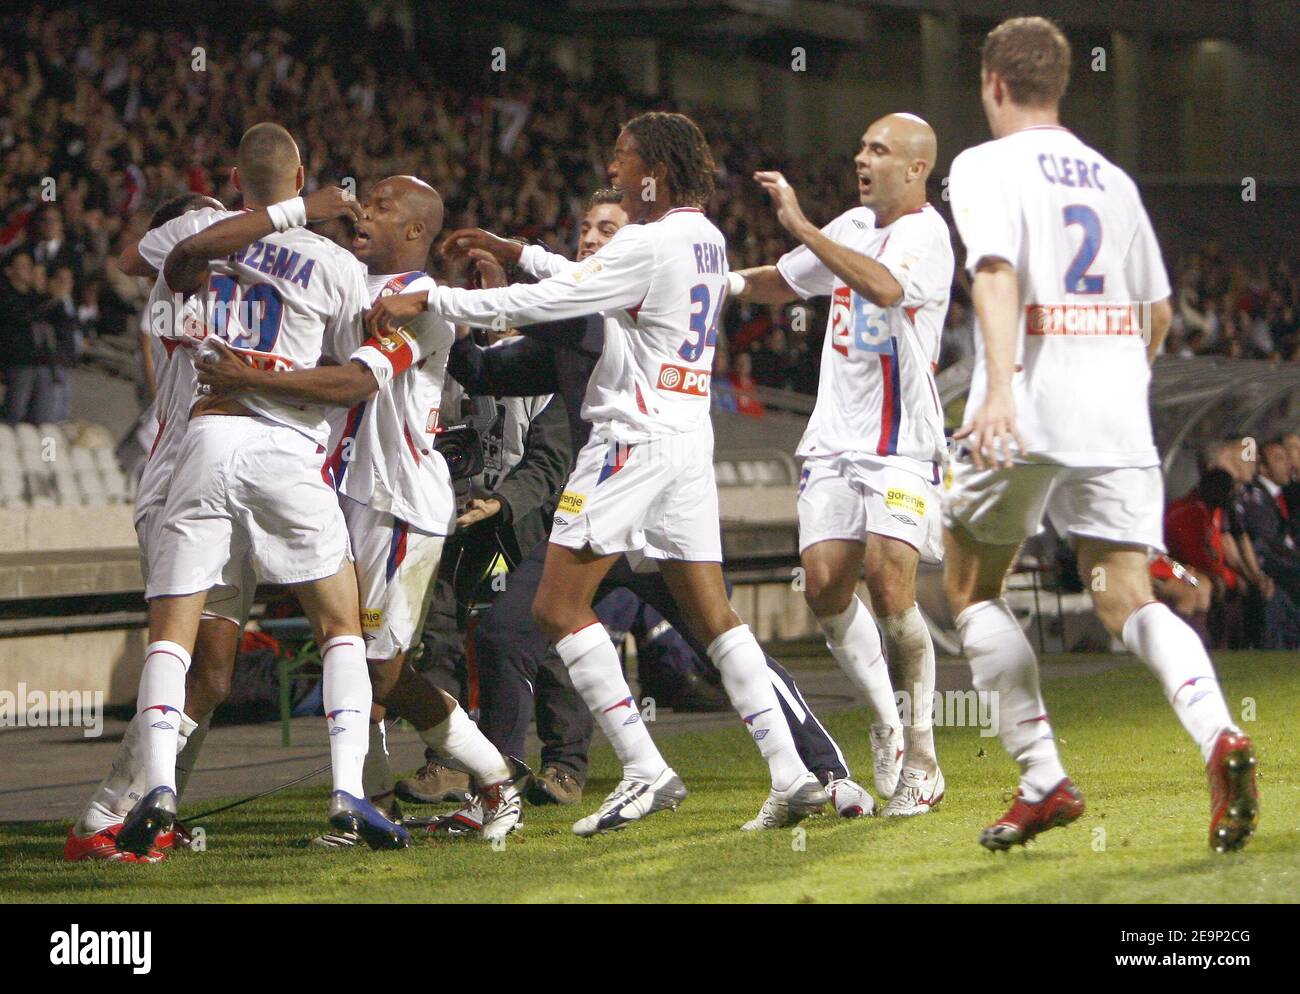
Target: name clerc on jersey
1059, 169
277, 261
710, 257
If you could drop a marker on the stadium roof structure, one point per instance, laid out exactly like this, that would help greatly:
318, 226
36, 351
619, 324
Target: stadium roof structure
1269, 24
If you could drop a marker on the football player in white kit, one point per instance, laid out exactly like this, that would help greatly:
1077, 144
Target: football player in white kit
874, 447
164, 321
1072, 300
393, 485
248, 478
644, 482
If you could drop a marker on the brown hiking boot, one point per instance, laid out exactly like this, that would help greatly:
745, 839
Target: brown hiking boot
434, 783
553, 785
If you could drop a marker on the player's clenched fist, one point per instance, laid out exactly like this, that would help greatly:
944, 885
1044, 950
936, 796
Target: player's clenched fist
220, 369
332, 201
394, 310
462, 240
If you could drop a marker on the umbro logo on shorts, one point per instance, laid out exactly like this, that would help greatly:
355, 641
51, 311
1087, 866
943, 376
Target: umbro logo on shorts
683, 379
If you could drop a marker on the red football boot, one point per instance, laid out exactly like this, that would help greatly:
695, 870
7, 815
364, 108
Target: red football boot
1062, 805
1234, 802
103, 846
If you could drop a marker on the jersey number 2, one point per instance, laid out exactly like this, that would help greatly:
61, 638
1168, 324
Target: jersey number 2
1077, 277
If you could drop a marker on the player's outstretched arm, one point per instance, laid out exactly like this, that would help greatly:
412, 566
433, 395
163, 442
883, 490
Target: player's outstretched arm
223, 371
760, 285
463, 240
186, 267
863, 274
617, 276
992, 428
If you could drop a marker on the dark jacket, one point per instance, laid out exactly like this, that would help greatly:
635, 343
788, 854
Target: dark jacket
18, 312
556, 357
530, 490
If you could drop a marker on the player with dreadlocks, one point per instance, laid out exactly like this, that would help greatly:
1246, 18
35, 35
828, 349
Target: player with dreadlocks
643, 484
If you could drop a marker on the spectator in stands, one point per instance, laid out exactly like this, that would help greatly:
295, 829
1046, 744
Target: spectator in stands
1291, 491
49, 243
1265, 523
744, 388
1278, 478
1196, 537
20, 303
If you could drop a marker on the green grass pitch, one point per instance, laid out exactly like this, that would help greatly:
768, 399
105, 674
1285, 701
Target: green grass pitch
1143, 838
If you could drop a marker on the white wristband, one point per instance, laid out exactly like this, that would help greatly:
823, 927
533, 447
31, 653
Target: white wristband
735, 283
288, 214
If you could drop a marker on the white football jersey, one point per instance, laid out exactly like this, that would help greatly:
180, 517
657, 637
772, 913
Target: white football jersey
1073, 226
876, 396
384, 455
283, 301
166, 318
661, 287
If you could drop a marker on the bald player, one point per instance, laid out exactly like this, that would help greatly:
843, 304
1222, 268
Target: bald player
247, 480
874, 448
394, 488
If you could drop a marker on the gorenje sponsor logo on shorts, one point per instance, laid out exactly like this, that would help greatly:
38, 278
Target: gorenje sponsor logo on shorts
371, 618
683, 379
571, 502
894, 497
94, 948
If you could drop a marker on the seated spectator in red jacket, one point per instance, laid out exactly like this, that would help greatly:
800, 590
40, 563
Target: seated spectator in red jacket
1194, 528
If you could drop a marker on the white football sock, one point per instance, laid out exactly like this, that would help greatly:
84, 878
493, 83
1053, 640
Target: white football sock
376, 774
594, 668
460, 739
854, 641
740, 660
117, 792
192, 734
158, 711
125, 784
346, 696
907, 640
1178, 658
1002, 664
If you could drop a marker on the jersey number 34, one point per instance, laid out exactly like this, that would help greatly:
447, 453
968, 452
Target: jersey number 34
704, 327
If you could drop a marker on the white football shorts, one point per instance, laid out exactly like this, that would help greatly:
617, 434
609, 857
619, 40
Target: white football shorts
1124, 504
658, 498
396, 567
843, 499
246, 487
231, 599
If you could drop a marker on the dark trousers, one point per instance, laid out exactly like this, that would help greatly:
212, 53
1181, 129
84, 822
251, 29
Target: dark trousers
563, 726
510, 648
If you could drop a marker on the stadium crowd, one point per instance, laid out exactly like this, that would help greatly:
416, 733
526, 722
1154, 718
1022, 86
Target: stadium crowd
100, 123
